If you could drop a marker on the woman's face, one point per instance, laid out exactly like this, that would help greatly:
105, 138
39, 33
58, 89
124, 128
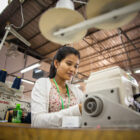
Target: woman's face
68, 67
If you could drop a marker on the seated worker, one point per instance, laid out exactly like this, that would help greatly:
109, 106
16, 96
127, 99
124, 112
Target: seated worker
53, 97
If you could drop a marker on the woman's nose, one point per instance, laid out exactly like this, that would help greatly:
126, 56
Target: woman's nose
73, 69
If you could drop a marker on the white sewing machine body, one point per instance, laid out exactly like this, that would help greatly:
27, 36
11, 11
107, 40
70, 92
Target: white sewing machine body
114, 77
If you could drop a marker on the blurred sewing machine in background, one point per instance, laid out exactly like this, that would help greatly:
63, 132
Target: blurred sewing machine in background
9, 97
109, 94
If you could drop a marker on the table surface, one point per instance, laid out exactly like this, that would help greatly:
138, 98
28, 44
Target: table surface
14, 131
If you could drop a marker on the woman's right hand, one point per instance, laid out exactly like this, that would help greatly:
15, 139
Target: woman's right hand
80, 108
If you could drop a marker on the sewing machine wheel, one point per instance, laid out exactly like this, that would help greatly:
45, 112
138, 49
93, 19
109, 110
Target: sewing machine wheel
93, 106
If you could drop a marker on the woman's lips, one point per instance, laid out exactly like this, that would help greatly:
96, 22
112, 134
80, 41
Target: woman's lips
70, 74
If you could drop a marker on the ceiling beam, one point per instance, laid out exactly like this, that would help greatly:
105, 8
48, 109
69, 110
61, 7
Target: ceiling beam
137, 65
38, 47
40, 4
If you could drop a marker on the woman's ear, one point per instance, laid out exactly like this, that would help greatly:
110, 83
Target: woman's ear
56, 63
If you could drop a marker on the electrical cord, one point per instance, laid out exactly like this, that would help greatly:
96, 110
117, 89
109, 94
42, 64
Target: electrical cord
22, 16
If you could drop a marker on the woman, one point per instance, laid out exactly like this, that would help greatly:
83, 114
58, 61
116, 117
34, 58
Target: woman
53, 97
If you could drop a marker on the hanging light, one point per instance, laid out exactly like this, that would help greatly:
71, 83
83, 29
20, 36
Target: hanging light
62, 16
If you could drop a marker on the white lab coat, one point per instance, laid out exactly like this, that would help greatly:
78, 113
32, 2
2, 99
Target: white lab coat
40, 105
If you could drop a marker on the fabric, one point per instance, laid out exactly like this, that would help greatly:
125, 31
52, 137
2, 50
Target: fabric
55, 101
40, 105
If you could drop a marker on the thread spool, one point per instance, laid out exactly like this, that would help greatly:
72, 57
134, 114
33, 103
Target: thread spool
3, 74
16, 83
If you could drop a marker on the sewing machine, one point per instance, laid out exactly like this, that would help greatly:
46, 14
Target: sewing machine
109, 94
9, 97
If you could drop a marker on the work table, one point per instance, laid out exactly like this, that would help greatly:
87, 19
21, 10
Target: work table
25, 132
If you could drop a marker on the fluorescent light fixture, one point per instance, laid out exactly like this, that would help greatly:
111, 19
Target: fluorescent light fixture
37, 71
26, 81
137, 71
16, 34
30, 68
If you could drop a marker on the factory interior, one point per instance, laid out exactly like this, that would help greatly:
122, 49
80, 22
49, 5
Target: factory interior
107, 36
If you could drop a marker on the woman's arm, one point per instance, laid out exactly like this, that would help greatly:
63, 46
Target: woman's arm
44, 119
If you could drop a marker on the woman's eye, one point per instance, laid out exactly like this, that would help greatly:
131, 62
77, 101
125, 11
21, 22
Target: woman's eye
69, 64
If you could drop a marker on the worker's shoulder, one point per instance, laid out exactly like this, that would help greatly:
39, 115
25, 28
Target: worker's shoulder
43, 80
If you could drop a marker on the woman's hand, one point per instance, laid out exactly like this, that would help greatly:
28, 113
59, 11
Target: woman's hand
80, 108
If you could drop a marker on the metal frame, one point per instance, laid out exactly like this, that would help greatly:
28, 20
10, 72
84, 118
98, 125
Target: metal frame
116, 47
130, 40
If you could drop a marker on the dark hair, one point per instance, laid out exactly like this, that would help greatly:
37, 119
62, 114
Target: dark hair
60, 55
